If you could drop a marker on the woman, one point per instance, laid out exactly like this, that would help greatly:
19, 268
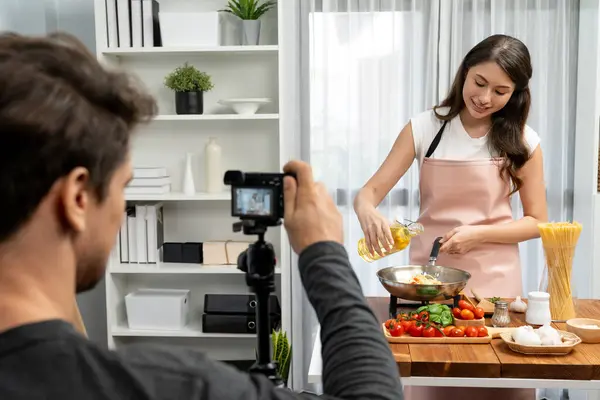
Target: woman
474, 151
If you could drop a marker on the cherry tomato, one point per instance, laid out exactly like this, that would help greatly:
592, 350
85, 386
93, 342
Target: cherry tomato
482, 331
448, 330
406, 324
456, 312
424, 316
467, 314
439, 332
414, 316
462, 328
416, 330
402, 316
471, 331
456, 332
463, 305
397, 330
429, 331
479, 313
389, 323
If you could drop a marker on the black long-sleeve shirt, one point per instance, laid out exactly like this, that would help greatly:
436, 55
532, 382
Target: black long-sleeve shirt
50, 360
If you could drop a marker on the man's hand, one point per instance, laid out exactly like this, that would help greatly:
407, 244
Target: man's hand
310, 214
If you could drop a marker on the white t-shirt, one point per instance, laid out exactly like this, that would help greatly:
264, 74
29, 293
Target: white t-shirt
456, 144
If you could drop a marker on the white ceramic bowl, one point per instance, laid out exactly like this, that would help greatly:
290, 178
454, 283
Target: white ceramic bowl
585, 328
247, 106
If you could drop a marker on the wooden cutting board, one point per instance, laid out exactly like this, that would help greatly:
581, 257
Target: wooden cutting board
492, 334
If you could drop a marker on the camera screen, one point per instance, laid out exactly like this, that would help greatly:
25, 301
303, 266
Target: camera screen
253, 201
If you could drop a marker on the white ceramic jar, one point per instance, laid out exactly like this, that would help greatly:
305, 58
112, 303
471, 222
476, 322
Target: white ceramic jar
212, 167
538, 308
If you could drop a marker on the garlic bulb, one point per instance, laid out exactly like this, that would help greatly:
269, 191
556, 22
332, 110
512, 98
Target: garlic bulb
518, 305
525, 335
549, 335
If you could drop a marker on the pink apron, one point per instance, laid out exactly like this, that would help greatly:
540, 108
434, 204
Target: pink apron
471, 192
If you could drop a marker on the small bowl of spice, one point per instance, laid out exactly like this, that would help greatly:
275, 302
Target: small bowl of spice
587, 329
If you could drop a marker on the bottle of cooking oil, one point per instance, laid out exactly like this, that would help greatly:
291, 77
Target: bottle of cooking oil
401, 233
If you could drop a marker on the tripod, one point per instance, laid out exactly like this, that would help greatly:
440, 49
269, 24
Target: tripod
258, 262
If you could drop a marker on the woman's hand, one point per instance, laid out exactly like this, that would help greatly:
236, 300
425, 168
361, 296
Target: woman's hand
376, 229
462, 239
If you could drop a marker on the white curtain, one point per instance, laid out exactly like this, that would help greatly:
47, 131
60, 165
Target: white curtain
374, 64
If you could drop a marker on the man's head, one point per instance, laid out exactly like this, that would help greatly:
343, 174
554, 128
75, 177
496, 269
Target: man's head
65, 126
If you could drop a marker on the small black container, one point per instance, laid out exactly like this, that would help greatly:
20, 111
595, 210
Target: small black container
189, 102
172, 252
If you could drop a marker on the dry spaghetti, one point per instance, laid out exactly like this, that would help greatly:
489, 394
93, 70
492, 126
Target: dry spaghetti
559, 240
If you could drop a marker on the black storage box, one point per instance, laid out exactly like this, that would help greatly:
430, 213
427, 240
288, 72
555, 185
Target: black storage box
237, 304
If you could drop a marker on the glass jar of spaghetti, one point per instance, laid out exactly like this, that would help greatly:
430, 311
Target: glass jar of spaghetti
559, 240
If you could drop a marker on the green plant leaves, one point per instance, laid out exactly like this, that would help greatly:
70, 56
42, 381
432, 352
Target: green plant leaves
282, 353
188, 78
248, 9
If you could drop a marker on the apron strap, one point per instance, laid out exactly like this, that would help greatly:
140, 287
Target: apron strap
436, 141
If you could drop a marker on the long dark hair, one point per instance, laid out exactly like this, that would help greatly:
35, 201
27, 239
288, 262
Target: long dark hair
508, 124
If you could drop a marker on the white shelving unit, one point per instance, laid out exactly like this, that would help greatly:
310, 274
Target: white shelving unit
249, 143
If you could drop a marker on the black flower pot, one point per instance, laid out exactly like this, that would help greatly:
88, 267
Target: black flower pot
189, 102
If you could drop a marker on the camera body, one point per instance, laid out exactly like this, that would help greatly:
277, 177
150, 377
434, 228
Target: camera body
256, 196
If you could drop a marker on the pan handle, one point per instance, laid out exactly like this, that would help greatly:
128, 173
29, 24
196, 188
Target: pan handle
435, 250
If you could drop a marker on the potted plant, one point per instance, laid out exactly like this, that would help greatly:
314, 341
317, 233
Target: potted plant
249, 11
189, 85
282, 353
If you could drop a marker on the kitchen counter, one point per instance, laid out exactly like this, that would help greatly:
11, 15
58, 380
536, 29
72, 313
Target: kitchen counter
487, 365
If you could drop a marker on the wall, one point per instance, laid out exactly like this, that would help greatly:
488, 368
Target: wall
36, 17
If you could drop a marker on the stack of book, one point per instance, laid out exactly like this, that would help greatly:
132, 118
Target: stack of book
149, 180
141, 236
132, 23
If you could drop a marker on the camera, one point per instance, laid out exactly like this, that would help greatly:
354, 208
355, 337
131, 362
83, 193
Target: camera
256, 196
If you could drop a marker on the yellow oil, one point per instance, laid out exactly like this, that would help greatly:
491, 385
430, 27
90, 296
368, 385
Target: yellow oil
401, 235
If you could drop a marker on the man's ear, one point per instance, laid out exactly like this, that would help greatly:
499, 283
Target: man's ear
75, 198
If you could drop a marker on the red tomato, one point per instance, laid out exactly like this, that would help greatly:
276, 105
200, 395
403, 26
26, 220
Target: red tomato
482, 331
448, 330
463, 305
406, 324
429, 331
471, 331
402, 316
467, 314
389, 323
397, 330
456, 312
479, 313
414, 316
424, 316
416, 330
457, 332
439, 332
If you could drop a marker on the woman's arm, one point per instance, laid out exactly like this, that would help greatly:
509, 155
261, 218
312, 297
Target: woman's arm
389, 173
535, 210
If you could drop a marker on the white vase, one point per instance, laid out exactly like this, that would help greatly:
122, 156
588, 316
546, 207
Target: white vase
188, 176
212, 166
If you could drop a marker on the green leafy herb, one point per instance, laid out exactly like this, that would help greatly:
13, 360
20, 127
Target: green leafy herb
494, 299
438, 313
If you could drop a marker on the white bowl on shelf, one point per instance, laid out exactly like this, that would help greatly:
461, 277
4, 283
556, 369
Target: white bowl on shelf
248, 106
